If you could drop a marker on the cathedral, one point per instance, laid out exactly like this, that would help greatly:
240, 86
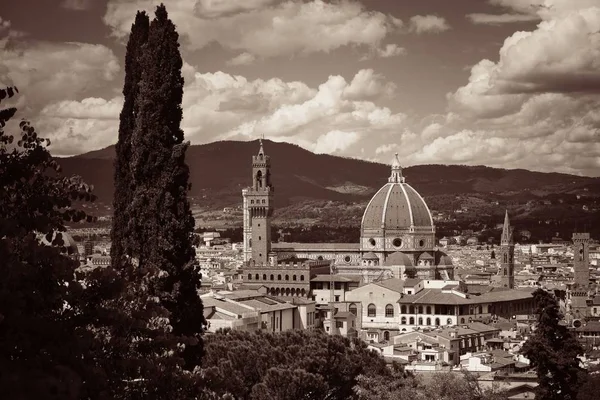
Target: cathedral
397, 234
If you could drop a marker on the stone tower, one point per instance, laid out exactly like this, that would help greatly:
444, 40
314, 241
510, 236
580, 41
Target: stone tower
258, 209
581, 259
507, 255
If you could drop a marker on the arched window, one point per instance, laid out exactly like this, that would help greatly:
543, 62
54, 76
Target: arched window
256, 277
249, 277
411, 309
259, 178
293, 292
420, 321
480, 309
411, 321
462, 320
437, 322
389, 311
264, 277
287, 277
428, 309
352, 308
302, 292
272, 277
293, 277
320, 258
301, 277
287, 291
371, 310
402, 309
449, 321
428, 321
420, 309
386, 336
278, 277
403, 320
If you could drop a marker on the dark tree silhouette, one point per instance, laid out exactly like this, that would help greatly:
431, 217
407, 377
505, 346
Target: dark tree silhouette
160, 242
44, 346
122, 174
553, 351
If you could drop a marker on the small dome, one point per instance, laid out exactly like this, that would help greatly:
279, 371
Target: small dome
398, 258
426, 256
443, 258
370, 256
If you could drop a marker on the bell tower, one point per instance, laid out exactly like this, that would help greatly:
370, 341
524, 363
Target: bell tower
507, 255
581, 259
258, 209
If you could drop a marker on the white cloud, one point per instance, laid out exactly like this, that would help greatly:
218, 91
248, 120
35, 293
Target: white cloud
335, 142
390, 50
7, 31
242, 59
219, 8
428, 24
45, 72
75, 127
265, 29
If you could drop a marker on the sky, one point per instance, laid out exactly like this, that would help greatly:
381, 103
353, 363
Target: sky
503, 83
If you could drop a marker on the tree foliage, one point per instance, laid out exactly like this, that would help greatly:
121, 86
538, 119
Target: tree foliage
44, 346
553, 351
299, 364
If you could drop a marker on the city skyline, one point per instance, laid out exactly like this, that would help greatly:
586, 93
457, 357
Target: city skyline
504, 83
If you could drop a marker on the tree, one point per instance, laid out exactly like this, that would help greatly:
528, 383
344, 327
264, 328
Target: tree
44, 348
159, 237
553, 351
122, 176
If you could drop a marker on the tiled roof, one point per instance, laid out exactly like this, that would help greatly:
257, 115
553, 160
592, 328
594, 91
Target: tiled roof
336, 278
226, 305
435, 296
394, 284
264, 307
294, 246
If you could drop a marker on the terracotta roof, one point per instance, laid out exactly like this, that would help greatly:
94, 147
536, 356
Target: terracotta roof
336, 278
394, 284
294, 246
435, 296
396, 206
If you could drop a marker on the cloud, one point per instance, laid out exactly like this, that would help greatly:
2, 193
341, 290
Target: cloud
499, 19
264, 28
428, 24
77, 5
220, 8
76, 127
335, 141
47, 71
242, 59
390, 50
7, 31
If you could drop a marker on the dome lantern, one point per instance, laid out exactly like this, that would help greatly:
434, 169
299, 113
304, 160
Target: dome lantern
396, 176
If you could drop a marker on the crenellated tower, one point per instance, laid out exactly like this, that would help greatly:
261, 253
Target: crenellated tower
507, 255
581, 259
258, 209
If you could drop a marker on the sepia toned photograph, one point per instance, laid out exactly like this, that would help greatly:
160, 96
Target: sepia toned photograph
300, 199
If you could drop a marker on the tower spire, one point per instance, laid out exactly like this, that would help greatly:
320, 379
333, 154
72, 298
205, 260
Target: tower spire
506, 231
261, 151
396, 176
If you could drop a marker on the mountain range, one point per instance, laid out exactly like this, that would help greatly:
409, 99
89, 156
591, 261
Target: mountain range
220, 170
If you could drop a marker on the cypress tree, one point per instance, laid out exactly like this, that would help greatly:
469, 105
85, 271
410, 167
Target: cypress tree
162, 239
553, 351
122, 174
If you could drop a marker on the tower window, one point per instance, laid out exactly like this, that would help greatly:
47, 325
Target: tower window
421, 243
263, 201
259, 238
278, 277
251, 201
293, 277
249, 277
287, 277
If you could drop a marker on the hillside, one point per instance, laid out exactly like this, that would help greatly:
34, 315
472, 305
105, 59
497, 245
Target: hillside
220, 170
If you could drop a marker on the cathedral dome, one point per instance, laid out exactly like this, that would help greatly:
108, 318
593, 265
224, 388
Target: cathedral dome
68, 245
396, 206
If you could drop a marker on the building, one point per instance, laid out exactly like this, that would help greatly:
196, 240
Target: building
250, 310
507, 255
578, 294
397, 233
